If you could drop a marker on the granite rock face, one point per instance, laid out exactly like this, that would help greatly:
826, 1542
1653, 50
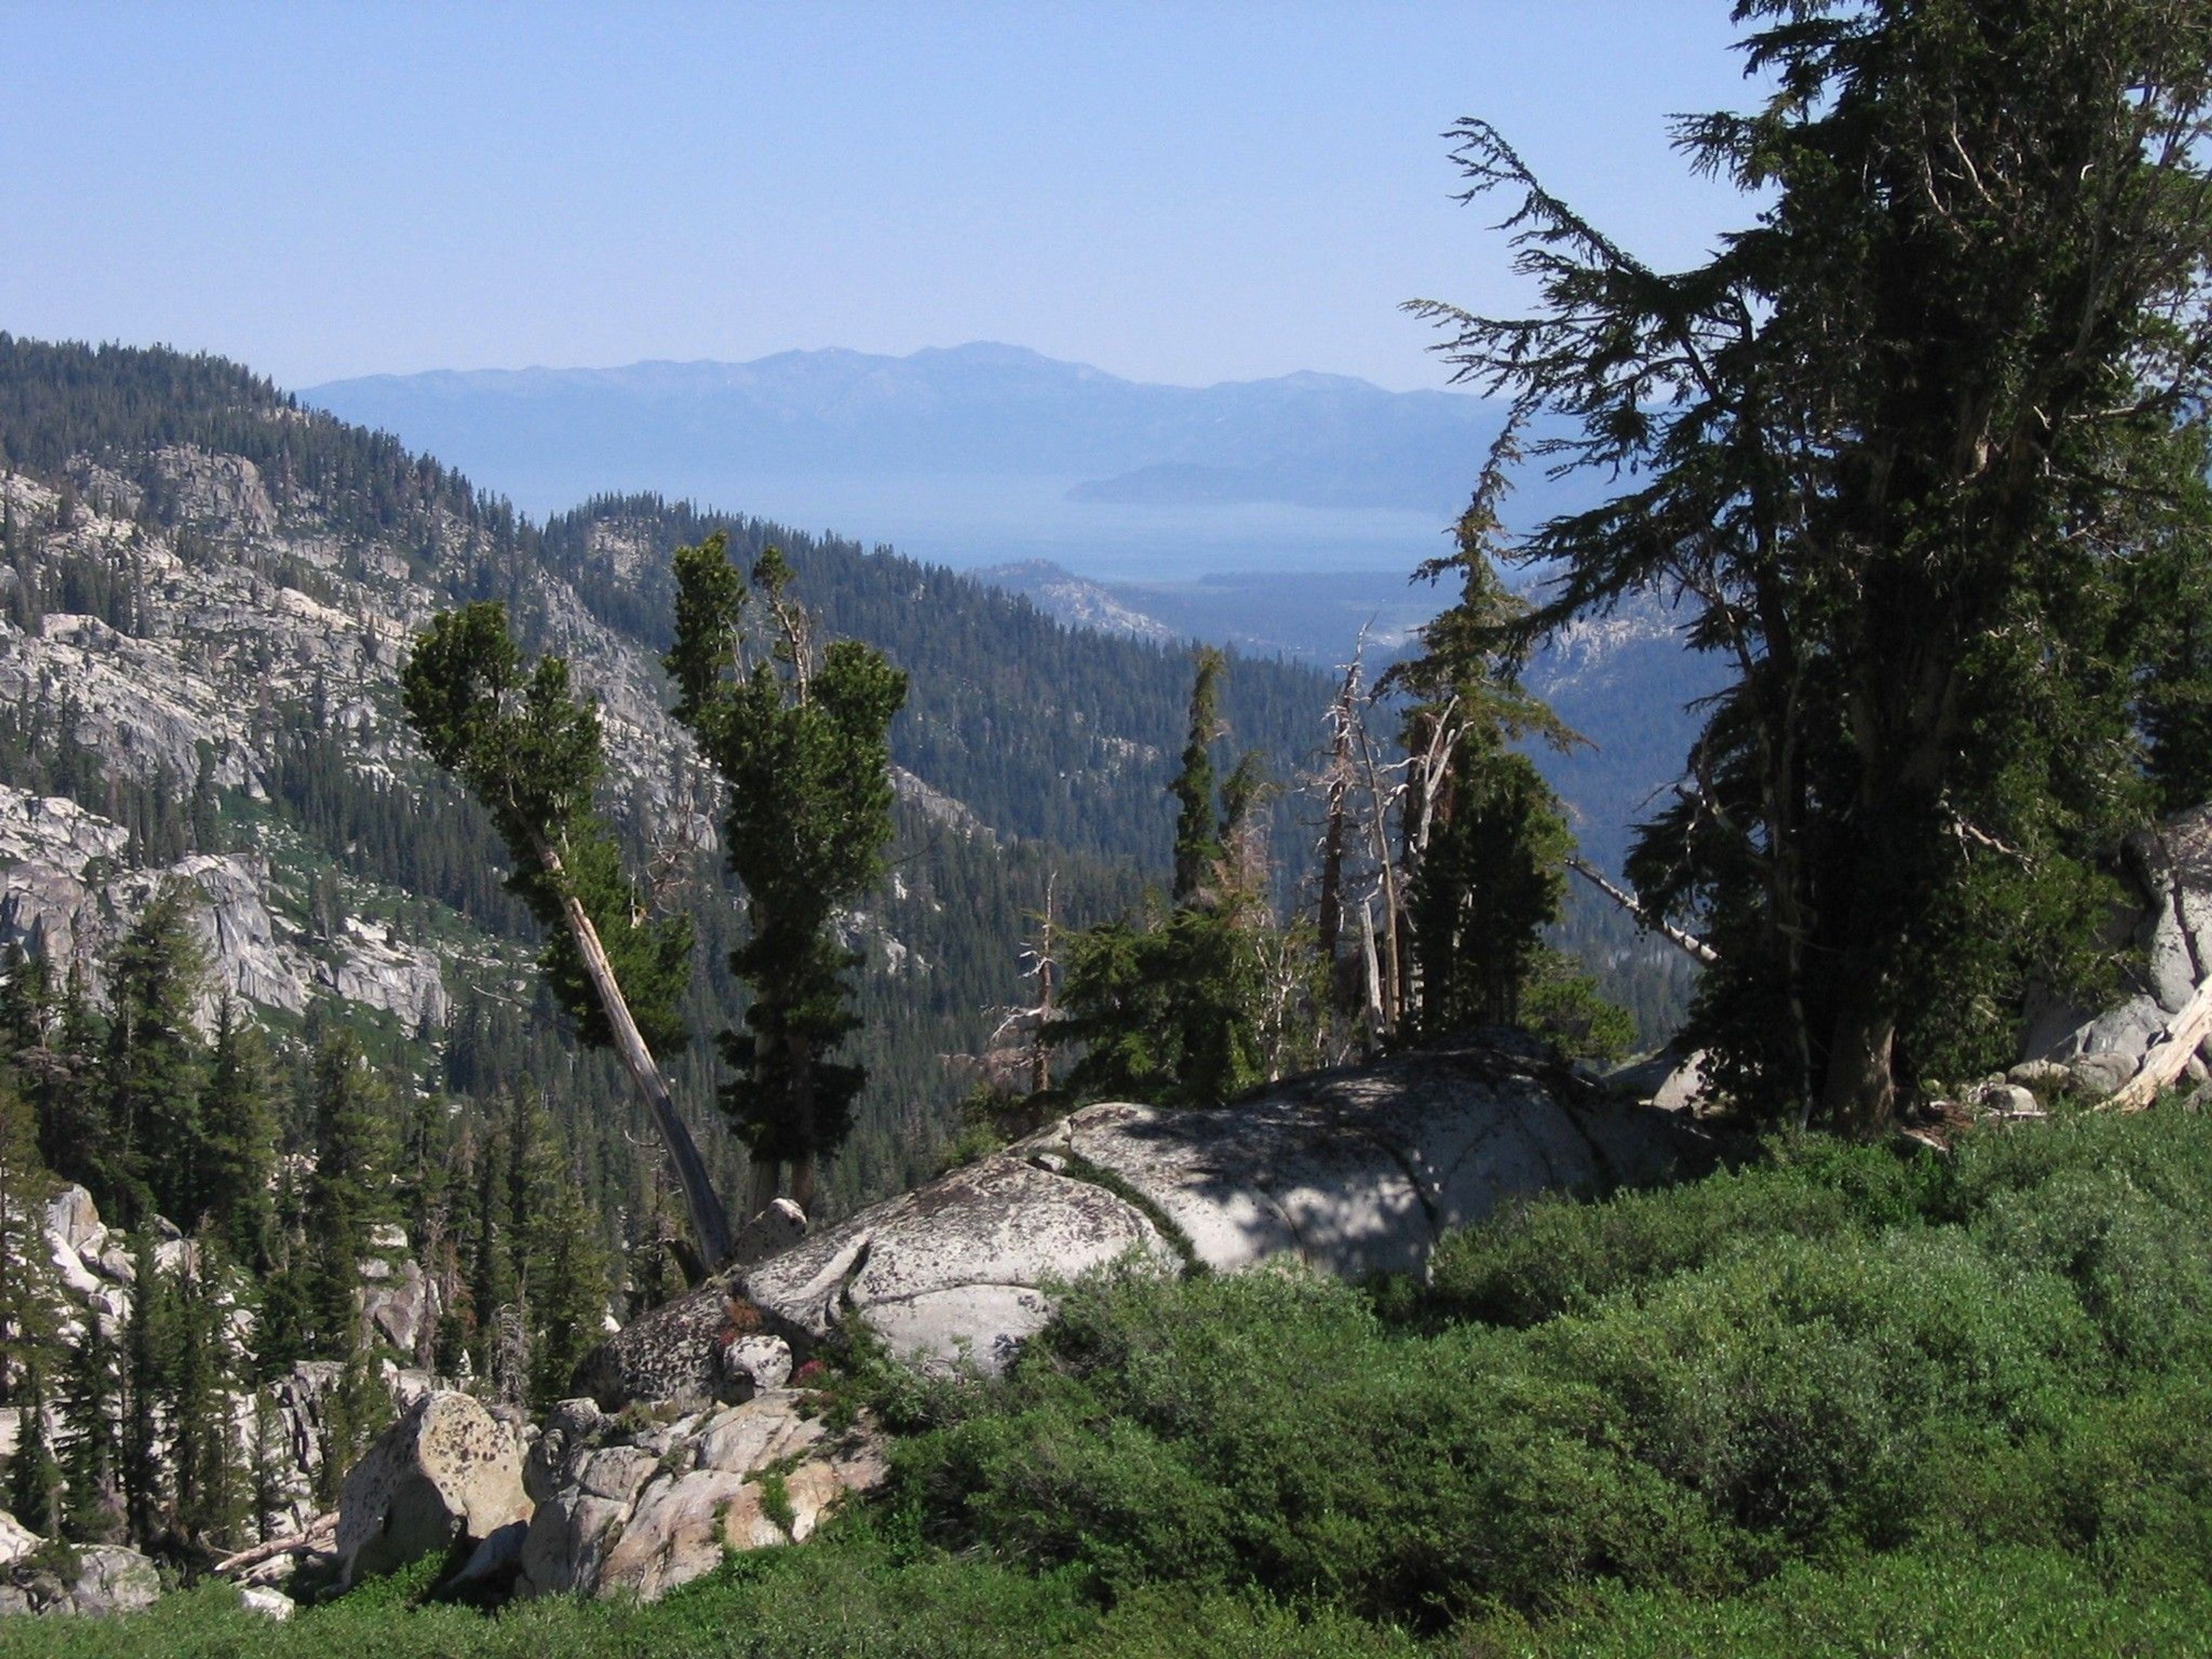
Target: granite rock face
245, 603
67, 904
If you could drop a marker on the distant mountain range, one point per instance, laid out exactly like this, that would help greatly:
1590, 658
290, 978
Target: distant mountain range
1302, 440
977, 454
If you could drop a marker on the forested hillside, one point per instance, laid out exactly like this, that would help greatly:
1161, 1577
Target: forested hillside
167, 496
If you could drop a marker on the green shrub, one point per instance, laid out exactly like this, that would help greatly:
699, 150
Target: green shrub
1841, 1402
1839, 1350
1550, 1256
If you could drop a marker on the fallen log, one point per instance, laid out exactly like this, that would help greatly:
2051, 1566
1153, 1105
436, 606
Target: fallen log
2168, 1057
319, 1537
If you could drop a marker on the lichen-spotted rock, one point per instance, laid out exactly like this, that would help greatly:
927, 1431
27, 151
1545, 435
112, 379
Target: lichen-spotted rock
957, 1271
446, 1474
639, 1508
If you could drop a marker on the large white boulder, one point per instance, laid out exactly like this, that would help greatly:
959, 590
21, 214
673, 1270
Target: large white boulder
448, 1473
1354, 1172
956, 1271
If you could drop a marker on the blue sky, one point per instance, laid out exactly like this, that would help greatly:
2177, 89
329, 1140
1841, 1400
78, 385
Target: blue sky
1186, 193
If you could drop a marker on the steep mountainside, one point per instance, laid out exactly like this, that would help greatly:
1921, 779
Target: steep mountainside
208, 594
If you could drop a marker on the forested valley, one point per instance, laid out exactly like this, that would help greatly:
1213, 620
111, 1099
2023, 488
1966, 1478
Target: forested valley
650, 1083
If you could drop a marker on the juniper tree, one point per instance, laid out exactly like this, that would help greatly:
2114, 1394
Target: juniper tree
528, 747
799, 734
1904, 449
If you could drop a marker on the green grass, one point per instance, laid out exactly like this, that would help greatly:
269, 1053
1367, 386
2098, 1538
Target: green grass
1841, 1402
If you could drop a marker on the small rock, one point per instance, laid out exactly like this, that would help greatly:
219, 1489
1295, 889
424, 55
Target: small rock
271, 1604
2041, 1074
753, 1364
16, 1539
2002, 1100
2099, 1075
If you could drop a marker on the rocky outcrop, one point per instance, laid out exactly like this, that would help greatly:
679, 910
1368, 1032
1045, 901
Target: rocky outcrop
1354, 1172
639, 1508
63, 899
2167, 925
958, 1270
448, 1474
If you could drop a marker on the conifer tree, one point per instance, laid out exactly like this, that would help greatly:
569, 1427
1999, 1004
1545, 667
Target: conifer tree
1198, 849
1909, 450
28, 1308
492, 1285
354, 1413
1483, 842
206, 1458
91, 1449
73, 1117
1174, 1009
149, 1346
283, 1329
27, 1012
529, 749
34, 1477
349, 1192
238, 1140
269, 1461
153, 1066
563, 1273
800, 736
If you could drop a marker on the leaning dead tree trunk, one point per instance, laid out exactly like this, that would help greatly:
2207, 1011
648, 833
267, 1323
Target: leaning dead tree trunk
710, 1223
1628, 901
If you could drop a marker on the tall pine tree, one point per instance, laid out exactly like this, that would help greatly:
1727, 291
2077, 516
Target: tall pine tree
800, 736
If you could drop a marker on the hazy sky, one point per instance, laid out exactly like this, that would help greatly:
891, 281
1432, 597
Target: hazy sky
1178, 193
